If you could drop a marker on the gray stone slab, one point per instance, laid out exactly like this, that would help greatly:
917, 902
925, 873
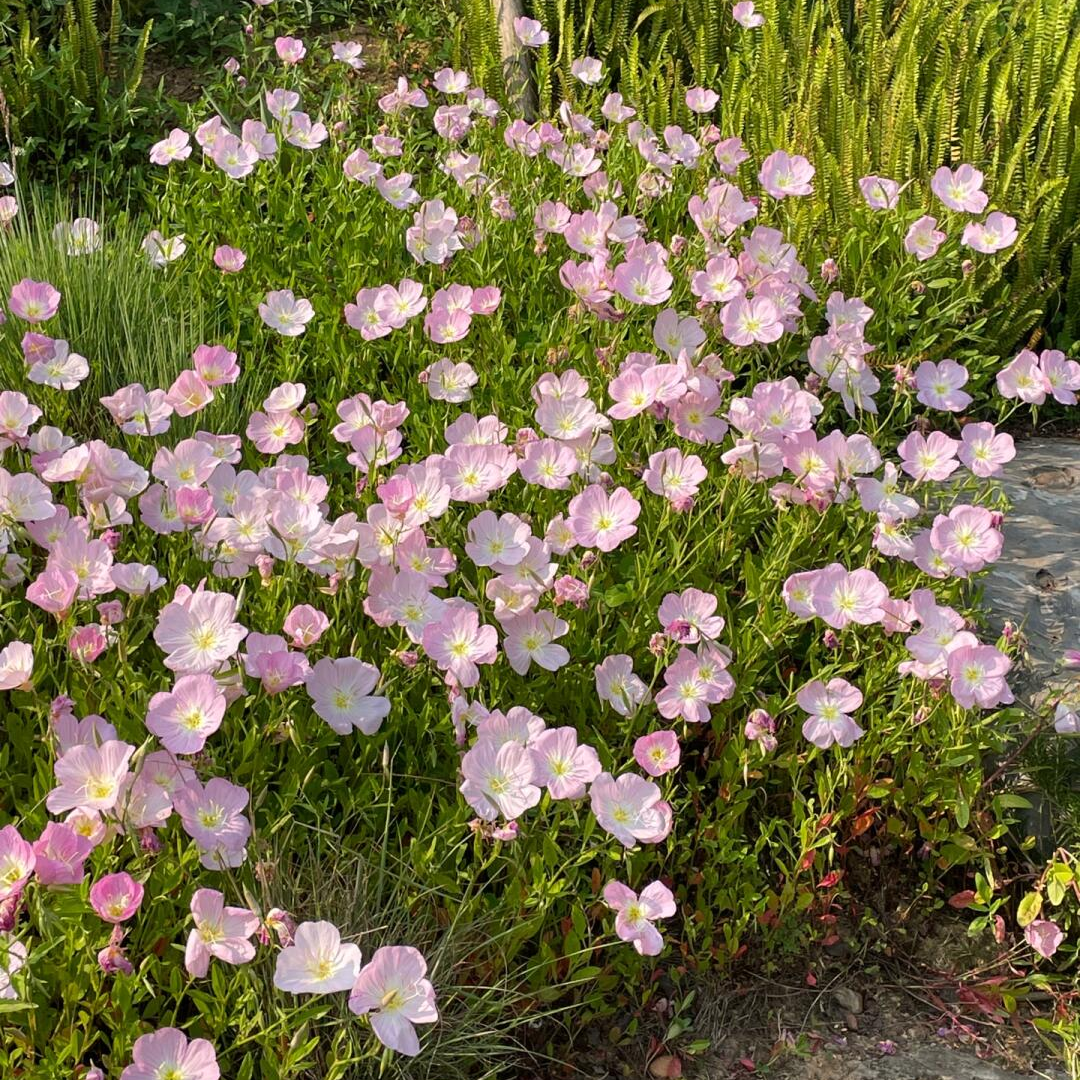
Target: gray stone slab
1036, 583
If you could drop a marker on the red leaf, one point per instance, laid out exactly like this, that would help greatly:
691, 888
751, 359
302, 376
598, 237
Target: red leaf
962, 899
811, 979
748, 1064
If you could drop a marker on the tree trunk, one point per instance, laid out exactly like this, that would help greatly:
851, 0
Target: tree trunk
517, 72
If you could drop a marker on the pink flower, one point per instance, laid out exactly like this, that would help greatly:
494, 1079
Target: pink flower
212, 815
695, 609
499, 779
879, 192
588, 70
340, 691
747, 321
198, 633
977, 677
34, 301
393, 992
116, 897
530, 33
175, 147
939, 385
60, 853
89, 777
317, 961
984, 450
500, 542
630, 809
189, 394
87, 643
699, 99
967, 539
996, 233
745, 15
602, 520
1062, 375
828, 707
284, 313
1024, 378
215, 365
305, 625
168, 1053
561, 765
17, 859
675, 476
290, 50
530, 639
929, 457
1044, 937
16, 665
784, 174
960, 190
643, 281
730, 153
841, 596
924, 238
229, 260
617, 684
636, 914
186, 716
219, 931
657, 753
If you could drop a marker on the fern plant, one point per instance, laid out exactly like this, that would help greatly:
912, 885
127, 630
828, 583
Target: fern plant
893, 87
71, 83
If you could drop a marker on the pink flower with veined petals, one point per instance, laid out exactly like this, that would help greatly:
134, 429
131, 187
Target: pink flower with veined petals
229, 260
1024, 378
305, 625
977, 677
168, 1053
939, 385
16, 665
746, 321
636, 914
829, 706
499, 779
929, 457
34, 301
530, 32
60, 852
996, 233
675, 475
458, 642
1062, 375
697, 610
116, 897
283, 312
17, 859
563, 766
967, 539
215, 365
630, 809
841, 596
175, 147
340, 691
497, 541
879, 192
199, 633
186, 716
89, 777
213, 816
744, 14
290, 50
603, 520
643, 281
530, 639
984, 450
924, 238
219, 931
960, 189
617, 684
317, 961
783, 174
1044, 936
657, 753
392, 991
